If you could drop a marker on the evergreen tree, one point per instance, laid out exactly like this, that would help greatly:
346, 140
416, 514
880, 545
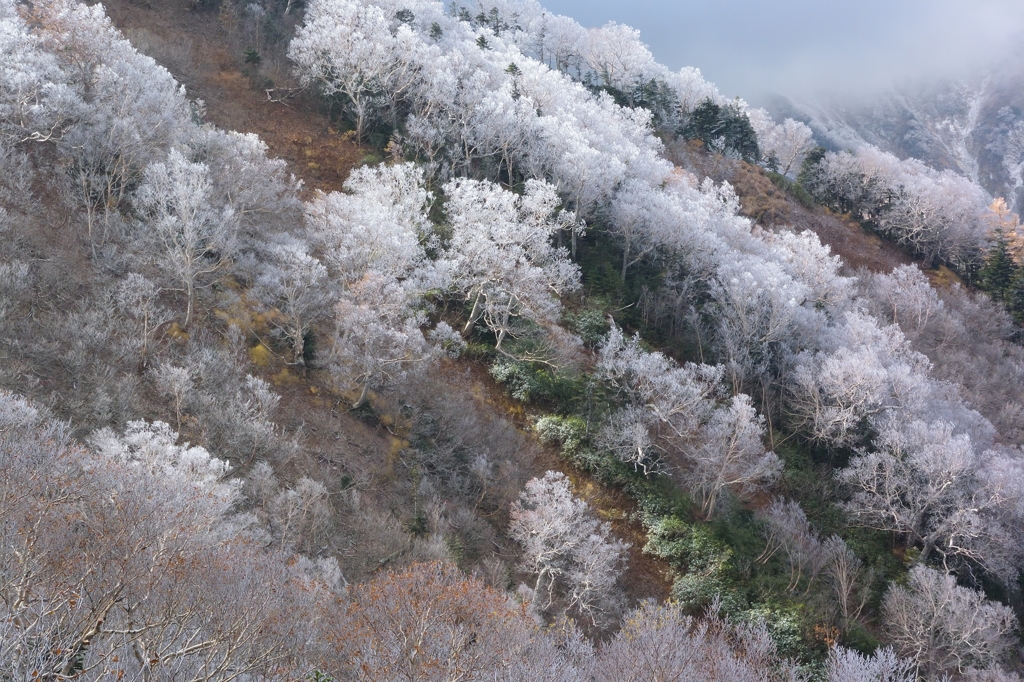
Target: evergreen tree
723, 129
1015, 296
740, 137
808, 168
999, 270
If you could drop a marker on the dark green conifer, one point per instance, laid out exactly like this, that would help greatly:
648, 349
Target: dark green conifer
999, 270
723, 129
1015, 296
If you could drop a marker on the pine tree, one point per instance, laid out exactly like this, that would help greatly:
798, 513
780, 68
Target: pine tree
999, 269
809, 168
1015, 296
723, 129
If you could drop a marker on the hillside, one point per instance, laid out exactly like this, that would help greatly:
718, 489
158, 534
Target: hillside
418, 342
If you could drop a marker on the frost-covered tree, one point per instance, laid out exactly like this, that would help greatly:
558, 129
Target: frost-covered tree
260, 191
295, 284
783, 145
430, 621
153, 448
618, 57
194, 238
378, 225
927, 482
563, 43
175, 383
352, 49
573, 555
138, 567
719, 446
945, 628
680, 398
660, 642
788, 530
761, 315
941, 215
839, 398
500, 255
627, 436
136, 298
691, 88
300, 515
373, 240
731, 454
639, 221
378, 337
133, 109
39, 98
848, 579
846, 665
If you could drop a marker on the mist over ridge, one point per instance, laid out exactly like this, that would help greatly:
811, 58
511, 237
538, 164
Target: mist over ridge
799, 48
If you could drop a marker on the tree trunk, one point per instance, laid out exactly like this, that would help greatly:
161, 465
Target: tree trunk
474, 315
145, 341
190, 291
362, 396
506, 314
298, 343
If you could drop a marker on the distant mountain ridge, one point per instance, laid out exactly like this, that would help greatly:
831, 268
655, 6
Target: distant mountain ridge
972, 125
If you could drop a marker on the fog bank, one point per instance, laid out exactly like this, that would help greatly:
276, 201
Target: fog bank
799, 47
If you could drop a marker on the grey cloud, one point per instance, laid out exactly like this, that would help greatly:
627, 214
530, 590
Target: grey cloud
794, 47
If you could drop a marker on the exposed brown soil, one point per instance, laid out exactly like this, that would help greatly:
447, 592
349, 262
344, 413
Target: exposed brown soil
196, 47
858, 247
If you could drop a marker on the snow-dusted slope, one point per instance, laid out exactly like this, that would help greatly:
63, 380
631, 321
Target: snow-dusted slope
974, 126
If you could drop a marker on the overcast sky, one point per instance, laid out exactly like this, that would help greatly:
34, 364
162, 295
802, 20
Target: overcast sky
749, 47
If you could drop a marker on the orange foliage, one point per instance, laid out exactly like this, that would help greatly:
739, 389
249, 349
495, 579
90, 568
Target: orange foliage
1004, 221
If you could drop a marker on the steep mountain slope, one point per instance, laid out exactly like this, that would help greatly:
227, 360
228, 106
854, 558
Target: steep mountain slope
282, 395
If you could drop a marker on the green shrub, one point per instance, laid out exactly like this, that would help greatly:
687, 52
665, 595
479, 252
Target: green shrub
695, 593
478, 352
860, 639
515, 377
539, 385
741, 531
796, 190
657, 498
590, 324
568, 432
786, 626
688, 547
